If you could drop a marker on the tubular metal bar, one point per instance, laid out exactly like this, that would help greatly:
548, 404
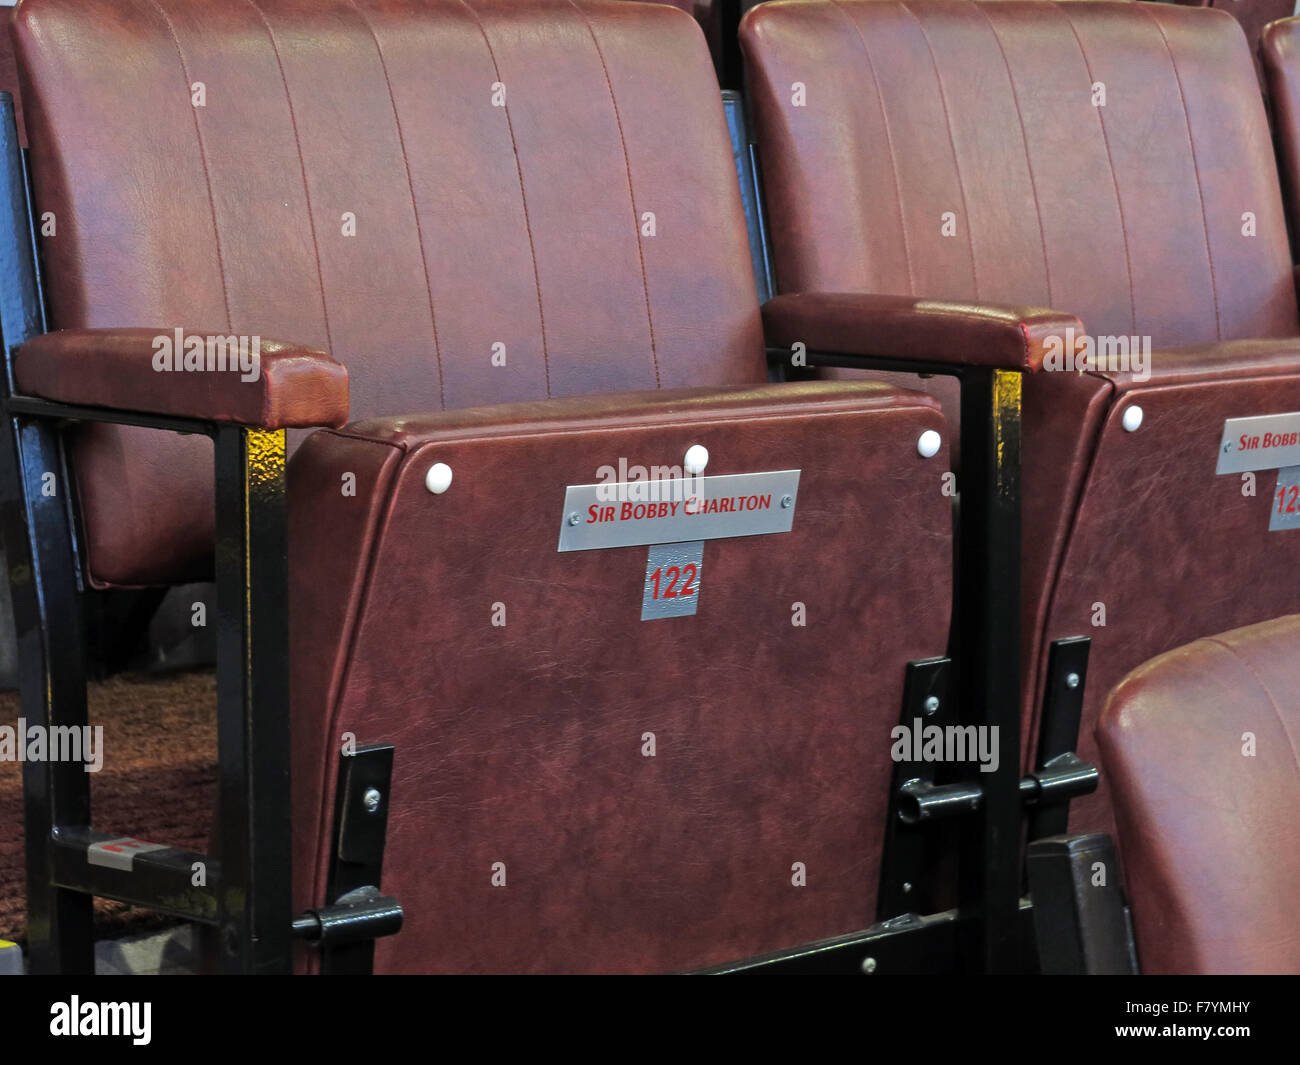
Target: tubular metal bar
907, 945
161, 880
253, 700
43, 582
50, 409
988, 652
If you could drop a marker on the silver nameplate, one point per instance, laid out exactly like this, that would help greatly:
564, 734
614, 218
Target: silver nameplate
672, 580
635, 513
1264, 442
1286, 500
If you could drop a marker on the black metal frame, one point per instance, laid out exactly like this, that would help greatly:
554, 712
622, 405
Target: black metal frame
245, 886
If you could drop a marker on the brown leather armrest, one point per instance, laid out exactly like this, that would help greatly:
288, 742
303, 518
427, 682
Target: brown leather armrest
265, 383
902, 327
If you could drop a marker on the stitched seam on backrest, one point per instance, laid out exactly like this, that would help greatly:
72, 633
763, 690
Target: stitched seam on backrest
415, 210
1024, 138
889, 144
203, 158
302, 167
627, 164
952, 144
1110, 162
523, 197
1196, 170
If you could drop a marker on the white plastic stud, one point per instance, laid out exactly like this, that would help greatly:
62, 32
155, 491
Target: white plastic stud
438, 479
1132, 418
928, 444
697, 457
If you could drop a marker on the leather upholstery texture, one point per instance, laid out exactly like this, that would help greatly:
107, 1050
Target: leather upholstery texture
772, 738
421, 189
144, 370
1111, 161
1201, 745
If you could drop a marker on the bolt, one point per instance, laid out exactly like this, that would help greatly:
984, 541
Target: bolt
868, 965
574, 519
932, 704
372, 799
787, 502
907, 887
1072, 680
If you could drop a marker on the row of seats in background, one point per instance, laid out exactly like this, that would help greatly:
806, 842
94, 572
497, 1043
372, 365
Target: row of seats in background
942, 185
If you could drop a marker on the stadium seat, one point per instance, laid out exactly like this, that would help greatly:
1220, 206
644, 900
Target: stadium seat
936, 169
502, 248
1200, 748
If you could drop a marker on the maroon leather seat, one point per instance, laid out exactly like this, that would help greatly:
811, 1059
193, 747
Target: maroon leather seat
1200, 746
534, 206
1254, 16
959, 161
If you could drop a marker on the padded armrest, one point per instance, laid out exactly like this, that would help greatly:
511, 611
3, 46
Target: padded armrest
269, 383
902, 327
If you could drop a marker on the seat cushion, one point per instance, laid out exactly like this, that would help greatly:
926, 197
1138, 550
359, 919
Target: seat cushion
1201, 746
521, 687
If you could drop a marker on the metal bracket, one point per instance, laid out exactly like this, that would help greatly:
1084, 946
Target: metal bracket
346, 929
912, 843
1060, 775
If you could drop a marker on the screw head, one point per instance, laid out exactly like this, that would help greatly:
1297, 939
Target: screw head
574, 519
1132, 418
927, 445
868, 965
1072, 680
371, 799
787, 502
907, 887
932, 704
697, 457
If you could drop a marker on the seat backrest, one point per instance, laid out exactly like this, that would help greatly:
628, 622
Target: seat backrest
1097, 158
377, 178
1202, 747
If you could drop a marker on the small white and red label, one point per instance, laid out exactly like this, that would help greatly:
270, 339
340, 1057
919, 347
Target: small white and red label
1262, 442
631, 514
119, 853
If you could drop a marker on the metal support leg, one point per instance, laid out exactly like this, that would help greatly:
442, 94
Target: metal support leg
253, 700
48, 619
39, 552
988, 653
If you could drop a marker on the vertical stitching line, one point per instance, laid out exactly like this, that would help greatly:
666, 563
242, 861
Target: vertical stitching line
952, 145
1196, 170
523, 196
203, 158
627, 165
1110, 161
302, 169
1024, 138
415, 210
889, 144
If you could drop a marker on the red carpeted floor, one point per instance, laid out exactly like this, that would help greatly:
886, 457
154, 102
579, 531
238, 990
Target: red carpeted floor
158, 782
